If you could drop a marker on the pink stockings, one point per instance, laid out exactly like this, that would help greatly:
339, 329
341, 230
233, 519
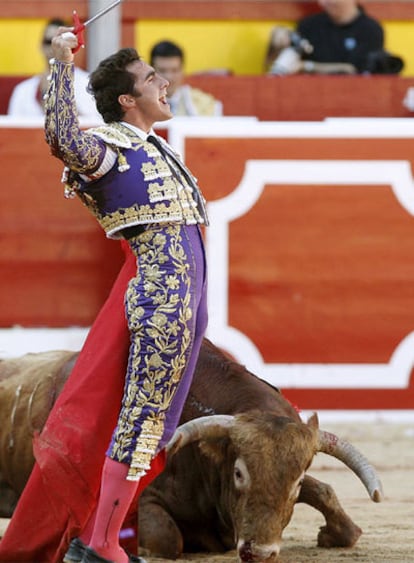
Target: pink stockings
116, 496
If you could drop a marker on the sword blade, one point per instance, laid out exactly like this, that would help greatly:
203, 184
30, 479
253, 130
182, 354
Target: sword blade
102, 12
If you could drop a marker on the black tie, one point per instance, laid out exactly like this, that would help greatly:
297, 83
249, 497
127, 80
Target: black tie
154, 141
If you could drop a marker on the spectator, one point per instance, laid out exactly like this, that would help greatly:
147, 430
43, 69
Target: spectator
167, 58
341, 39
27, 97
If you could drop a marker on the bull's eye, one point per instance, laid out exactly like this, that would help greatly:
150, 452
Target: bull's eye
241, 475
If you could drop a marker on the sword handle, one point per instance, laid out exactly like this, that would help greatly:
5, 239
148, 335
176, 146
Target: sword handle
78, 29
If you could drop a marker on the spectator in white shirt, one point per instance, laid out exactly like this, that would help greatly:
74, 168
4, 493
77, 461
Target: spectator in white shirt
27, 97
167, 58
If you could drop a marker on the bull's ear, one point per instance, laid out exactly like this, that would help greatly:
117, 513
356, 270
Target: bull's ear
214, 449
313, 421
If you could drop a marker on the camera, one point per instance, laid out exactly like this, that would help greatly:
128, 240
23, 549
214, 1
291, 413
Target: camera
300, 44
287, 62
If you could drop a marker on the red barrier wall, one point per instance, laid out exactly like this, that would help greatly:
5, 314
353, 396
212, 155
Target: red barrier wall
320, 269
317, 273
56, 264
293, 98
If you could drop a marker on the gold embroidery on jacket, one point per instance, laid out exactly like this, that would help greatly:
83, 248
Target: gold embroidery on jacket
173, 201
80, 152
155, 370
172, 197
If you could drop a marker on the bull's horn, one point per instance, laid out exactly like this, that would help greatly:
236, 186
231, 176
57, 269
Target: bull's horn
204, 427
355, 460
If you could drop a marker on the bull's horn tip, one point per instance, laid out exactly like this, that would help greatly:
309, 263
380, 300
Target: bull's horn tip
377, 495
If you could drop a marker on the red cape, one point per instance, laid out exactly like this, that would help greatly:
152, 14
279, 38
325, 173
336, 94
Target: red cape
63, 488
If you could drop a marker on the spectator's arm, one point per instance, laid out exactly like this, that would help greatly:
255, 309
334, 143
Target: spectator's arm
313, 67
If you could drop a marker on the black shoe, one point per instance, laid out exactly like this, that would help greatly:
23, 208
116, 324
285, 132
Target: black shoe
90, 556
136, 559
75, 552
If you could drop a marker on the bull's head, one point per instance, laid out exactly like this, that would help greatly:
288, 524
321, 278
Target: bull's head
263, 460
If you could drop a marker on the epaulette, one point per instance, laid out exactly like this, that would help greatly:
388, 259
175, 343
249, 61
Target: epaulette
118, 137
112, 135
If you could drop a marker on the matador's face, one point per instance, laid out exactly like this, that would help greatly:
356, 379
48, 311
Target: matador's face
150, 94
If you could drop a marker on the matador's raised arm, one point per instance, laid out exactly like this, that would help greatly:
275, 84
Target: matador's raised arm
80, 151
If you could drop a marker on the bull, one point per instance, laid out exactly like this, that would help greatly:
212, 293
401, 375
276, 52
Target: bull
236, 466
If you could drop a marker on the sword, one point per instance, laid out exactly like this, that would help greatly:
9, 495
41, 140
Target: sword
79, 27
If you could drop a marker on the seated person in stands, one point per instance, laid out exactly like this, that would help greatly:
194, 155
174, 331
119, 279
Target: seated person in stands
27, 97
167, 58
341, 39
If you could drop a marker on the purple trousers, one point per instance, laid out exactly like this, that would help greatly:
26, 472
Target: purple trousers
167, 316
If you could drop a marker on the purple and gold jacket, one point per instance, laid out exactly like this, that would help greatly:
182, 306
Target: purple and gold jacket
141, 187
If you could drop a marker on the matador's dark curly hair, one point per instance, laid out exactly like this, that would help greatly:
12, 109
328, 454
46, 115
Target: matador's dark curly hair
110, 80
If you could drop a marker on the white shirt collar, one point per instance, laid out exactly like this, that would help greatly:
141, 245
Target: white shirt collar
141, 134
